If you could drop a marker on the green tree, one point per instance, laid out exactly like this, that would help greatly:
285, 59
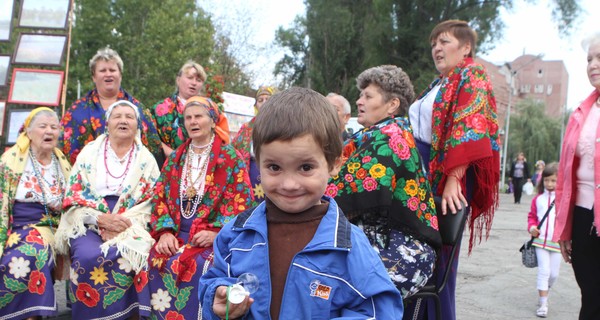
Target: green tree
346, 37
293, 66
153, 37
533, 133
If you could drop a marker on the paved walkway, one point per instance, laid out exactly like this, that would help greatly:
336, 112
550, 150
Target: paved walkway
494, 285
492, 282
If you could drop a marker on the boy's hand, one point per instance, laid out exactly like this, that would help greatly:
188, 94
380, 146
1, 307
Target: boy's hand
235, 310
534, 232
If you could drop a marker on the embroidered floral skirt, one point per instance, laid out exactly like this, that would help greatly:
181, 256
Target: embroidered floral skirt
104, 287
174, 294
26, 286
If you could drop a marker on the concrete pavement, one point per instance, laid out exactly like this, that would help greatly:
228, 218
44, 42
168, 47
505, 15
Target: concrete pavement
492, 282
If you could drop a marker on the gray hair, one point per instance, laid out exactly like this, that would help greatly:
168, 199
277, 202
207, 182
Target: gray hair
46, 113
590, 40
345, 103
106, 54
392, 81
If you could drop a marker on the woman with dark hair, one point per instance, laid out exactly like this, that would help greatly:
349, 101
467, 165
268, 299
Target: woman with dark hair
456, 132
382, 188
519, 174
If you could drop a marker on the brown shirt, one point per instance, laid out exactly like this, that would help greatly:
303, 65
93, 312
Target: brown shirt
288, 234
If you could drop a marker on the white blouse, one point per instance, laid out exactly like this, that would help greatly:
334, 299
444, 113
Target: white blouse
53, 183
420, 113
121, 169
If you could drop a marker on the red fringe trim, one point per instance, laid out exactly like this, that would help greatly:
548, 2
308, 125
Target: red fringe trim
485, 198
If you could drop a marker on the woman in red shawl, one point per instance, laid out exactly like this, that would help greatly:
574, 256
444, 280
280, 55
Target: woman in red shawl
455, 127
203, 185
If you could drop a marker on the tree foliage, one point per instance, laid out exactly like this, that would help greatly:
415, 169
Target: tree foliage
533, 133
345, 37
153, 37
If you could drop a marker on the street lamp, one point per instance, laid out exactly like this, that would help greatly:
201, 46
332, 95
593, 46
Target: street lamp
512, 73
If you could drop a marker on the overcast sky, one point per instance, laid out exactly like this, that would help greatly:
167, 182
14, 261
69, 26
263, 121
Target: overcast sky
529, 29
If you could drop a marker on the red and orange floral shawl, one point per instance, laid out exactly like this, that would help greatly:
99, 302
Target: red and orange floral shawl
227, 192
242, 141
465, 132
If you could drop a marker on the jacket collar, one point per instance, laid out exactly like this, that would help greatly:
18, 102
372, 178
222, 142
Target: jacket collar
333, 231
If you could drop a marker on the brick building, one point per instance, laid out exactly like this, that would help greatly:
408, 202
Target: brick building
533, 78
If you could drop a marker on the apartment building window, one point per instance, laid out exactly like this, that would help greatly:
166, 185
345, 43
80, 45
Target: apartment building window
549, 89
539, 88
526, 88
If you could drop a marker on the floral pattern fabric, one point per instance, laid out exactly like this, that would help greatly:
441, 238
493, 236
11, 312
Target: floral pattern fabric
26, 257
173, 280
382, 188
168, 117
465, 132
243, 144
108, 278
382, 174
85, 120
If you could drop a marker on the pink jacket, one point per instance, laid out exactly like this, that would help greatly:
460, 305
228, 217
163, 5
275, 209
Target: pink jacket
539, 207
567, 168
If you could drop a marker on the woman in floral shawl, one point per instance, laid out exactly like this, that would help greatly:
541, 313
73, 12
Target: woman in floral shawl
454, 123
85, 120
381, 186
203, 185
32, 181
168, 114
243, 143
104, 227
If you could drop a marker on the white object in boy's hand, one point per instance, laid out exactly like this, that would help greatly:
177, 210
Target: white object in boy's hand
237, 294
247, 283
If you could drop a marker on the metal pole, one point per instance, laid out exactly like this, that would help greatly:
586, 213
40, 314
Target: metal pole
508, 107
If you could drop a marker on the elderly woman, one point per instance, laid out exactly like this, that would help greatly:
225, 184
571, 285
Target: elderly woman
85, 120
382, 187
455, 128
168, 114
243, 143
107, 210
202, 187
32, 181
577, 194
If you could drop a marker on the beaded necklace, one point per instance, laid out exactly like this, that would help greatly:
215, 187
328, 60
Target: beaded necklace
40, 178
122, 176
187, 189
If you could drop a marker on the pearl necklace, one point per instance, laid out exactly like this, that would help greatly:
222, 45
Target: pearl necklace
187, 188
57, 179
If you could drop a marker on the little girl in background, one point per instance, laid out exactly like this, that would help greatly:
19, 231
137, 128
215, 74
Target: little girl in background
548, 252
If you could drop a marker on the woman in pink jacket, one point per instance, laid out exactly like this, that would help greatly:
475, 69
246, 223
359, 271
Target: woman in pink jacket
578, 190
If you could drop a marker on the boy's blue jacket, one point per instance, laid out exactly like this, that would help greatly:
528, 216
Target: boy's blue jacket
337, 275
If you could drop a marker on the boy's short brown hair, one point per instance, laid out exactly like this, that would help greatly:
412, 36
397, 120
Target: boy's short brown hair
296, 112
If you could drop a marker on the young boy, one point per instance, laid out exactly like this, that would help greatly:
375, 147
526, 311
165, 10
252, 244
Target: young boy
311, 262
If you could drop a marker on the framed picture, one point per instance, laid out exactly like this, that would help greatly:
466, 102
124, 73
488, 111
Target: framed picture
6, 13
4, 64
41, 49
33, 86
50, 14
2, 113
16, 117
